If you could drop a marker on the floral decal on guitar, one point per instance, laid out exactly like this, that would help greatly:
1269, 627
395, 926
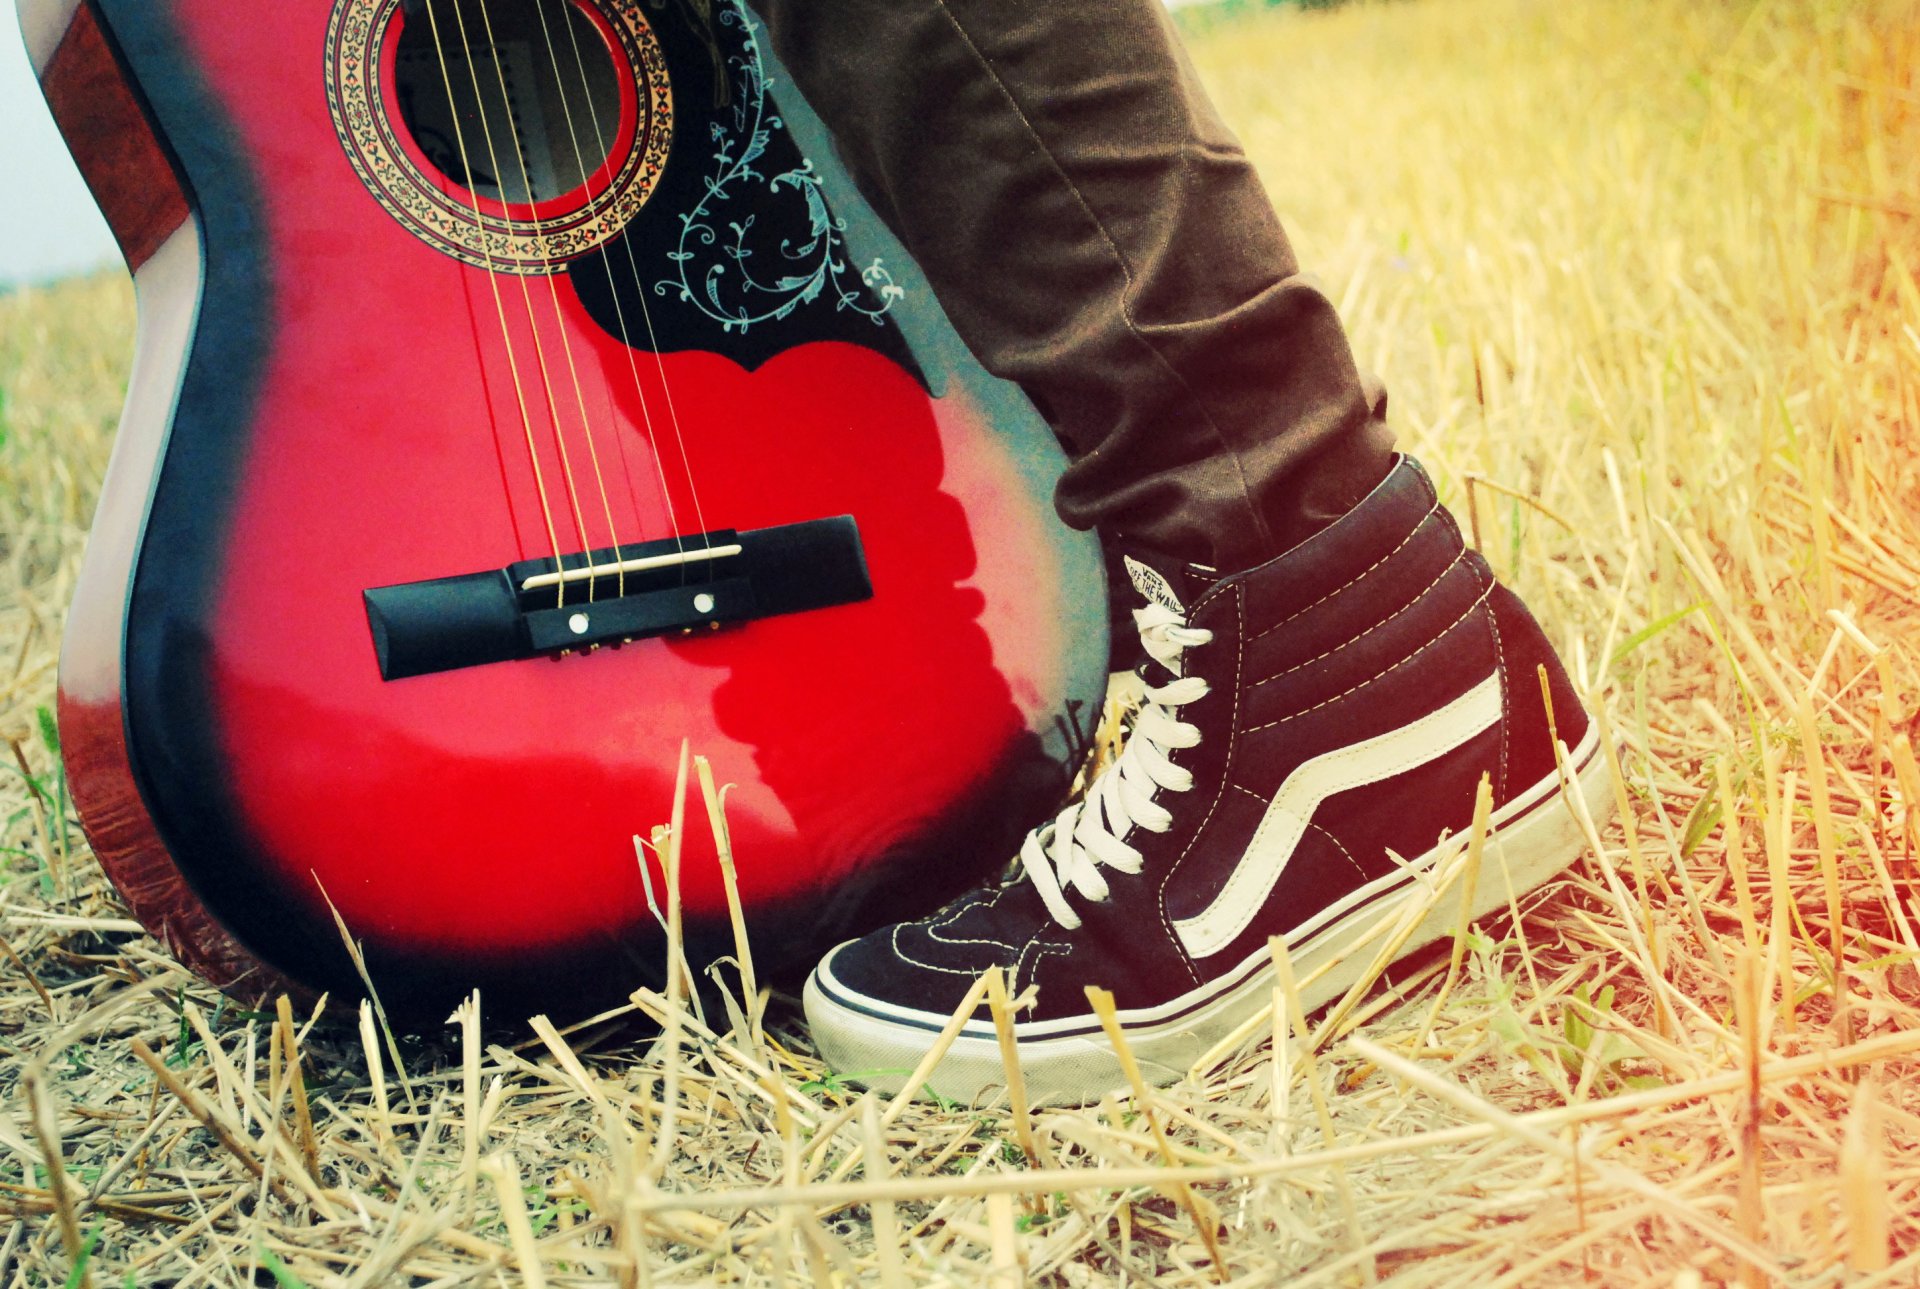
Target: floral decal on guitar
728, 289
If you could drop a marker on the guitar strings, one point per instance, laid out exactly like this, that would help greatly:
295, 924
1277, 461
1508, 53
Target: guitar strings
493, 281
653, 343
566, 342
540, 356
526, 292
619, 310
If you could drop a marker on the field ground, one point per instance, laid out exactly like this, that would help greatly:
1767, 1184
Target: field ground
1641, 276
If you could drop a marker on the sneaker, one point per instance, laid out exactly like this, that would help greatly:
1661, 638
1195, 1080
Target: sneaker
1313, 731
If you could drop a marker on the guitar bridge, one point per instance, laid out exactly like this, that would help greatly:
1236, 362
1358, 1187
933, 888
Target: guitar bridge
615, 595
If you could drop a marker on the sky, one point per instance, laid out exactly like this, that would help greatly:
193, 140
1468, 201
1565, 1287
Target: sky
49, 226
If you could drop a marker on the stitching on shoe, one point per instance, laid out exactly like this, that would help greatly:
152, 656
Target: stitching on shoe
1506, 703
1041, 948
901, 953
955, 911
960, 908
1452, 564
996, 944
971, 900
1426, 486
1341, 848
1212, 593
1471, 608
1265, 801
1358, 577
1226, 776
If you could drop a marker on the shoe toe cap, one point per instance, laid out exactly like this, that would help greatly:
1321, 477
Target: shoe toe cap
888, 971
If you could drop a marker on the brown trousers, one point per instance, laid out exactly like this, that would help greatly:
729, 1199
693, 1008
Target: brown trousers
1097, 235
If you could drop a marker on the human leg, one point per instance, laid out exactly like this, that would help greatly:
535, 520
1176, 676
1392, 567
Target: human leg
1096, 234
1332, 672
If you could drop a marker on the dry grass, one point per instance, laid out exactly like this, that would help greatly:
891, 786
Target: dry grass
1642, 279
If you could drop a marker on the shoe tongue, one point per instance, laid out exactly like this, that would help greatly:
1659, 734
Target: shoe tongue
1153, 585
1169, 582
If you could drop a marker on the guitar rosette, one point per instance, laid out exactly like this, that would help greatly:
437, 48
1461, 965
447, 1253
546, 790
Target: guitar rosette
514, 136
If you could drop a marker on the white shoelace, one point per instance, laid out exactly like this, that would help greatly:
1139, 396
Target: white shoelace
1070, 851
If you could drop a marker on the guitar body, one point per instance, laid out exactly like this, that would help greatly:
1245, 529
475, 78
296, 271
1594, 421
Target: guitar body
422, 300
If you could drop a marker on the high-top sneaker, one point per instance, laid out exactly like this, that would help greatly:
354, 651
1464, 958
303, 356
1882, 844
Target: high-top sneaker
1311, 743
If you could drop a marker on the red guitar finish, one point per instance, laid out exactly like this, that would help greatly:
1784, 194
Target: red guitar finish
328, 401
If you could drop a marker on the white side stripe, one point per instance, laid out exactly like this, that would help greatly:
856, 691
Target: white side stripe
1312, 782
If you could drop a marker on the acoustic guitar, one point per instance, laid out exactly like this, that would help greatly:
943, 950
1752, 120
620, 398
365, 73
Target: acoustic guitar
522, 389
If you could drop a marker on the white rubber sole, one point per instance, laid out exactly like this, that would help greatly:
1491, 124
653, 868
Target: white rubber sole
1069, 1060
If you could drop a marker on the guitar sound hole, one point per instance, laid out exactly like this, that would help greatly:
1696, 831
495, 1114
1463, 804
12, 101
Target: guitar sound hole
514, 100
